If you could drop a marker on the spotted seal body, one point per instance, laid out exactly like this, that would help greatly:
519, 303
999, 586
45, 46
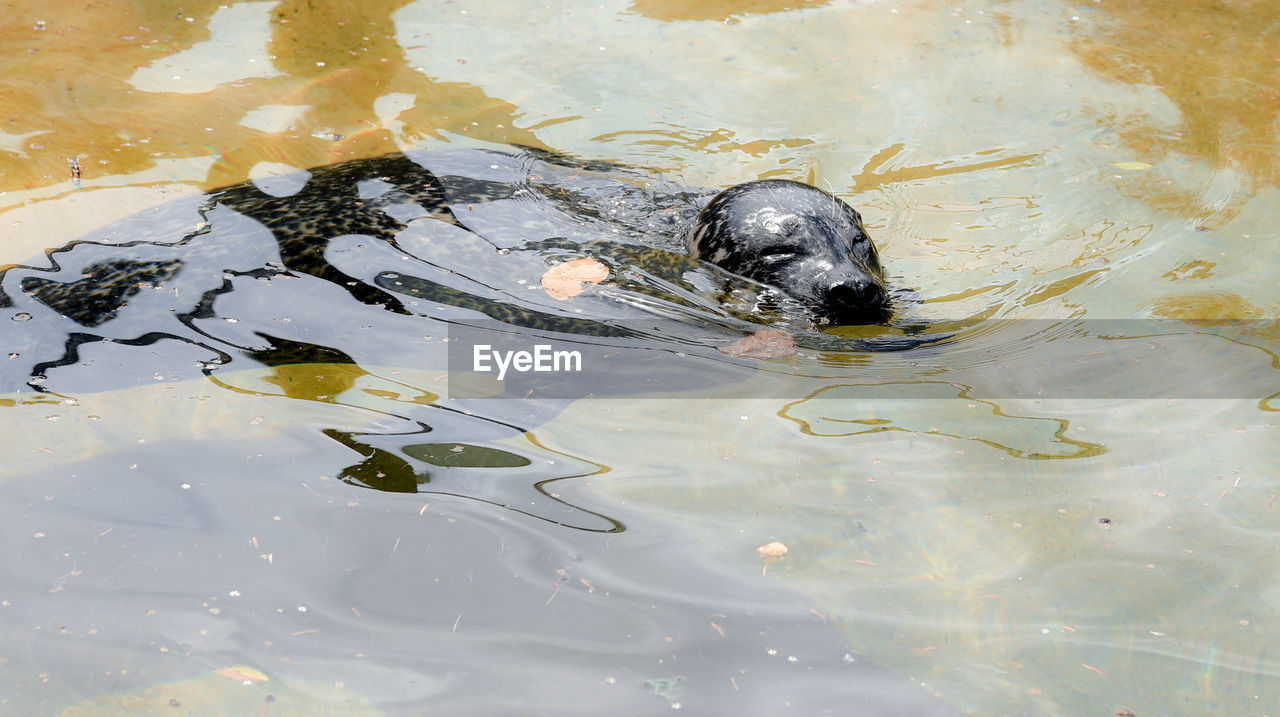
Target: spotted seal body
244, 273
805, 242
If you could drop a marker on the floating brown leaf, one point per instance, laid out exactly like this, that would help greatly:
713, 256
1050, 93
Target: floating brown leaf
765, 344
564, 281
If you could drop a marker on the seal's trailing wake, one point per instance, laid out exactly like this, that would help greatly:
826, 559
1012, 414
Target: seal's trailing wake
445, 234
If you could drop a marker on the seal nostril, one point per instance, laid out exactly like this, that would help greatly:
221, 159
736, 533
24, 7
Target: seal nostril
855, 299
854, 292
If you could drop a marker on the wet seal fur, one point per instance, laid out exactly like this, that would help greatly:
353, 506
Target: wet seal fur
805, 242
423, 232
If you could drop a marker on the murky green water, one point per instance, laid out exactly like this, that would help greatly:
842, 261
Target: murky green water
1081, 553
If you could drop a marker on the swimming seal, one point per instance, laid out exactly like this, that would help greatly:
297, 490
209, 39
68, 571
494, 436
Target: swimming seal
805, 242
428, 231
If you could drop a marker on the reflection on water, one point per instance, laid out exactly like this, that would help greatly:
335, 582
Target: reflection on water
853, 410
234, 690
1228, 97
236, 50
671, 10
198, 389
424, 604
161, 85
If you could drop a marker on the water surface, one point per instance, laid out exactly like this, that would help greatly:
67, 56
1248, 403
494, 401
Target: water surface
1082, 552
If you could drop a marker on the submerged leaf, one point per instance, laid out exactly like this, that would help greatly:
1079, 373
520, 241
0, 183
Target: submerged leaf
764, 344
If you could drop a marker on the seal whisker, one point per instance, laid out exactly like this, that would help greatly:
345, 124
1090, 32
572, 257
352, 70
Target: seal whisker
835, 208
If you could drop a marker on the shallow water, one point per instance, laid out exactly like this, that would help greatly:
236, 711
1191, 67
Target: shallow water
1082, 548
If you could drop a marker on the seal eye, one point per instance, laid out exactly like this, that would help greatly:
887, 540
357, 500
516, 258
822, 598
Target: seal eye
778, 252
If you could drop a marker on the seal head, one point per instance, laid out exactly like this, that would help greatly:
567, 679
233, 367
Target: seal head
805, 242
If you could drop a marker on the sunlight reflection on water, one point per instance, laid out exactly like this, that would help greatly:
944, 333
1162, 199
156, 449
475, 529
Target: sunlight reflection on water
1049, 556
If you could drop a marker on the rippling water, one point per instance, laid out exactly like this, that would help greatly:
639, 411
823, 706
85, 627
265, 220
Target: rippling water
233, 428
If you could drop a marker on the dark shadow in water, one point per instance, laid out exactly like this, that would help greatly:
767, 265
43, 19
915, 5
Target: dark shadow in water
490, 475
396, 462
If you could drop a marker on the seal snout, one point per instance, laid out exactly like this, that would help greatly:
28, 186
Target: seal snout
855, 299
